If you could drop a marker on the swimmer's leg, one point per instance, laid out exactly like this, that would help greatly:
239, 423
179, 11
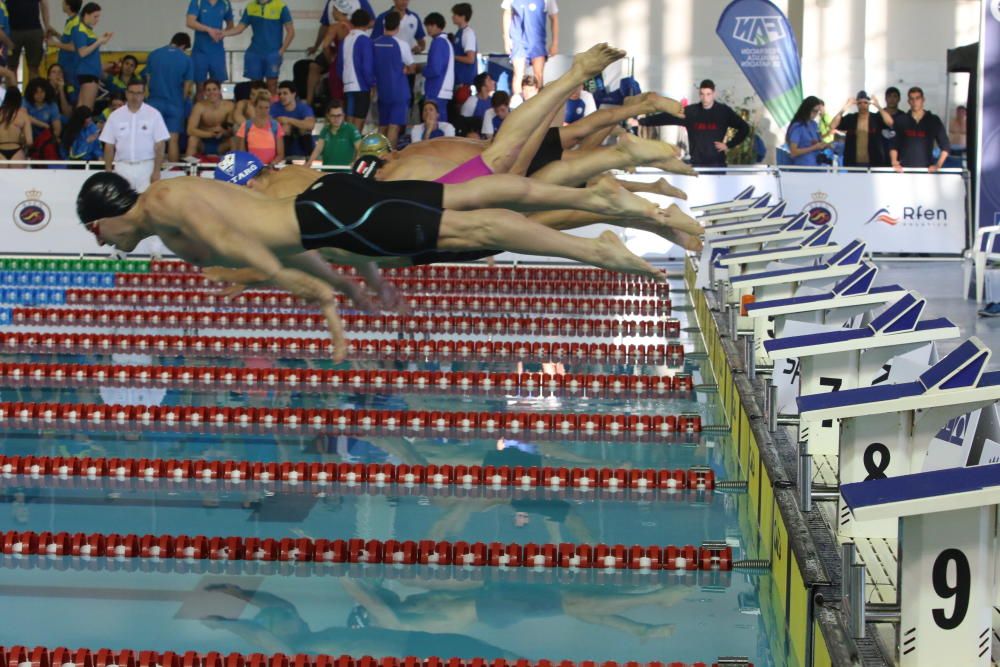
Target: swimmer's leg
564, 220
531, 120
591, 131
660, 187
507, 230
628, 152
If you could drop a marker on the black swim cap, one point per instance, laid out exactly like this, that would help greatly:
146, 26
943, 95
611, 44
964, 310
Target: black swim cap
105, 195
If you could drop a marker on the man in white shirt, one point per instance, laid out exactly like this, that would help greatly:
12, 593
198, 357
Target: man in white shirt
135, 138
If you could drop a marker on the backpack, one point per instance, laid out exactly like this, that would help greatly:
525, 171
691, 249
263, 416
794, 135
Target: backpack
44, 147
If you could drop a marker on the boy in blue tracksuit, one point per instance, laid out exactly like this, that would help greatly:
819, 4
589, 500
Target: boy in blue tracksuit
356, 60
439, 72
208, 19
524, 24
170, 72
269, 20
465, 44
393, 62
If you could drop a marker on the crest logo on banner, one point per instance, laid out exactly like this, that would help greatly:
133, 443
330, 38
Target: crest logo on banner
819, 211
32, 214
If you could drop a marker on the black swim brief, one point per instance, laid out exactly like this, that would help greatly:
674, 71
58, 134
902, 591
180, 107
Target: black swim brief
375, 218
550, 150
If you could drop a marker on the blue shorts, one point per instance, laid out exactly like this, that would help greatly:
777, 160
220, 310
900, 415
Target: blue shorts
529, 51
358, 103
209, 66
173, 114
211, 146
261, 65
393, 113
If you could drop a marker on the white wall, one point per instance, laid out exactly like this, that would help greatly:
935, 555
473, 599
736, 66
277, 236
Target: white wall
846, 44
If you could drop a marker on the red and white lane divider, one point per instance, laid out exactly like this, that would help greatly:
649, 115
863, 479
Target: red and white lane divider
389, 552
411, 422
433, 286
630, 386
695, 479
389, 324
460, 304
23, 656
467, 271
272, 346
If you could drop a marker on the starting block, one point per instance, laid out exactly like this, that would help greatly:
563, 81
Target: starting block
948, 584
737, 263
775, 217
719, 246
851, 297
744, 199
784, 283
886, 430
752, 208
843, 359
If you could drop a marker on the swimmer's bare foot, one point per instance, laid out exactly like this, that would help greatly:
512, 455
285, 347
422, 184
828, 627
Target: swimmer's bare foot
620, 202
663, 228
646, 151
614, 256
663, 187
592, 62
682, 221
663, 104
675, 166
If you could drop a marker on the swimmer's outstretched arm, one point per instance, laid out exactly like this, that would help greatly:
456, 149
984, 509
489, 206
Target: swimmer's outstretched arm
250, 632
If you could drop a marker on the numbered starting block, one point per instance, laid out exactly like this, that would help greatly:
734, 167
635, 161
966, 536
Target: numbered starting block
816, 244
719, 246
753, 207
948, 585
774, 218
849, 299
744, 199
785, 283
887, 430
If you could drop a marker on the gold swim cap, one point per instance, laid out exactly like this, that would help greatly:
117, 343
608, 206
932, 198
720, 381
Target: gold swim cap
374, 144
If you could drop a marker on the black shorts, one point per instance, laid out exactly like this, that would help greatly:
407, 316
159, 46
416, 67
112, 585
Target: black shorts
550, 151
358, 103
86, 78
375, 218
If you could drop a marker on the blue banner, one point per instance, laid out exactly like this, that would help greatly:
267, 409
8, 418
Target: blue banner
988, 180
758, 35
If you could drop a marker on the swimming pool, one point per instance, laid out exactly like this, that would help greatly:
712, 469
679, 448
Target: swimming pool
531, 465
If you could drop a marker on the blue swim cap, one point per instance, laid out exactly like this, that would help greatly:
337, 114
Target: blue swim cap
238, 168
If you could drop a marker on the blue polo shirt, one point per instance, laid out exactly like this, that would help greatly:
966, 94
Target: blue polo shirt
167, 70
67, 59
214, 16
268, 24
89, 65
393, 86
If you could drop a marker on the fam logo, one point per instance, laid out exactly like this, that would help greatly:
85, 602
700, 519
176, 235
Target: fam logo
819, 212
32, 215
912, 216
759, 30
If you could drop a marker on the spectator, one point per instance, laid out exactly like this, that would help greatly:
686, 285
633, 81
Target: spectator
30, 27
127, 68
393, 62
707, 123
338, 141
15, 127
297, 121
115, 102
863, 146
524, 36
804, 142
170, 74
580, 103
261, 134
209, 19
89, 70
916, 134
475, 108
357, 64
64, 42
432, 127
410, 30
439, 72
57, 79
135, 139
336, 13
892, 96
958, 131
269, 19
499, 108
244, 107
81, 140
529, 88
210, 126
39, 102
466, 48
6, 45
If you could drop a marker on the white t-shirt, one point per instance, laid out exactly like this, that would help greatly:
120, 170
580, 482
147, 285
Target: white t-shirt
417, 131
487, 129
135, 135
405, 50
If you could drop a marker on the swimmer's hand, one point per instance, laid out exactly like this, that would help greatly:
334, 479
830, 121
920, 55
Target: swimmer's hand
391, 298
315, 291
236, 281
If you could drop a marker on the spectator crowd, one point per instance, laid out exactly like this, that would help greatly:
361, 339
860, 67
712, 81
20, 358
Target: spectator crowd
168, 105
